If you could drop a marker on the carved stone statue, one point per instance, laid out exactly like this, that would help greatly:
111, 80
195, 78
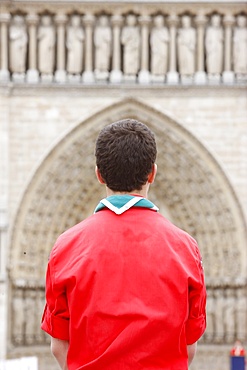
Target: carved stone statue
18, 45
75, 44
130, 39
159, 40
214, 46
186, 47
210, 315
18, 317
40, 300
103, 45
31, 316
219, 312
229, 315
241, 314
240, 46
46, 45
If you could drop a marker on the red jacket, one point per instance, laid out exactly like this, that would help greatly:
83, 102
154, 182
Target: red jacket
127, 291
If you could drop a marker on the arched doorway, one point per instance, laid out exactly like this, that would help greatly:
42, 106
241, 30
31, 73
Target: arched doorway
190, 187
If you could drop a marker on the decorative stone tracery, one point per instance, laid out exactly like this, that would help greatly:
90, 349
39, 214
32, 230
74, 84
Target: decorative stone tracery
190, 186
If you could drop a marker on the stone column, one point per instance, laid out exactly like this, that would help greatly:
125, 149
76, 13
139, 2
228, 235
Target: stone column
116, 73
200, 75
144, 74
228, 74
4, 68
32, 72
4, 317
4, 245
88, 76
172, 75
60, 74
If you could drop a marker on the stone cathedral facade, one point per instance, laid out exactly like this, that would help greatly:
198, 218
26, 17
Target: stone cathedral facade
68, 68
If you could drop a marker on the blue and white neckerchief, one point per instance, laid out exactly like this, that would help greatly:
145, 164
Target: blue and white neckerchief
121, 203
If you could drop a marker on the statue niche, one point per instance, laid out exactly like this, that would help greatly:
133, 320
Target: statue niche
18, 46
46, 47
103, 48
75, 45
130, 39
159, 40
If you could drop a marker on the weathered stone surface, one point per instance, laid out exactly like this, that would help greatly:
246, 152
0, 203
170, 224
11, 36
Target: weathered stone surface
47, 182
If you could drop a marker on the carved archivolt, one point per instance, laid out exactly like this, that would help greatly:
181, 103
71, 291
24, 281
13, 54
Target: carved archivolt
190, 185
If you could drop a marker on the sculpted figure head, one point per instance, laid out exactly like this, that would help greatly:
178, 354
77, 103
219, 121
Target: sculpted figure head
103, 21
46, 20
241, 21
159, 21
216, 20
186, 21
75, 20
18, 20
131, 20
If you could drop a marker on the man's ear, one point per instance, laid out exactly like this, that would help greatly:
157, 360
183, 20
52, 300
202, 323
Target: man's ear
152, 174
98, 175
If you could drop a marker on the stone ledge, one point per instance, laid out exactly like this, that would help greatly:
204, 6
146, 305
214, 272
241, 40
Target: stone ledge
234, 2
149, 7
12, 89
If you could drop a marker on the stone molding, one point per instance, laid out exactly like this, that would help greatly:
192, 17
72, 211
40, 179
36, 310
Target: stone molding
118, 6
130, 90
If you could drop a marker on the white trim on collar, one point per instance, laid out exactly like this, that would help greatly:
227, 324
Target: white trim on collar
124, 208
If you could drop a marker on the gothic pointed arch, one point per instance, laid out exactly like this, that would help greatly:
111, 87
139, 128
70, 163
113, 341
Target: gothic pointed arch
190, 186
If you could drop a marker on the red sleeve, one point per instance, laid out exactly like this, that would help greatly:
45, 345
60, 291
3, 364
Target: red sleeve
55, 320
196, 323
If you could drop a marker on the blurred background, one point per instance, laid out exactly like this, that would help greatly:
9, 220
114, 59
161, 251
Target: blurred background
68, 68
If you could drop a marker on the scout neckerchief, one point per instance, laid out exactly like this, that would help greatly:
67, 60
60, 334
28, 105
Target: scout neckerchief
121, 203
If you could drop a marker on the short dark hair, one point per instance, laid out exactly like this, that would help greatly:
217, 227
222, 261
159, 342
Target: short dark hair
125, 153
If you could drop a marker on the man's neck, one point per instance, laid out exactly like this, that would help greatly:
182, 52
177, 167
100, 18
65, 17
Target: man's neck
143, 192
